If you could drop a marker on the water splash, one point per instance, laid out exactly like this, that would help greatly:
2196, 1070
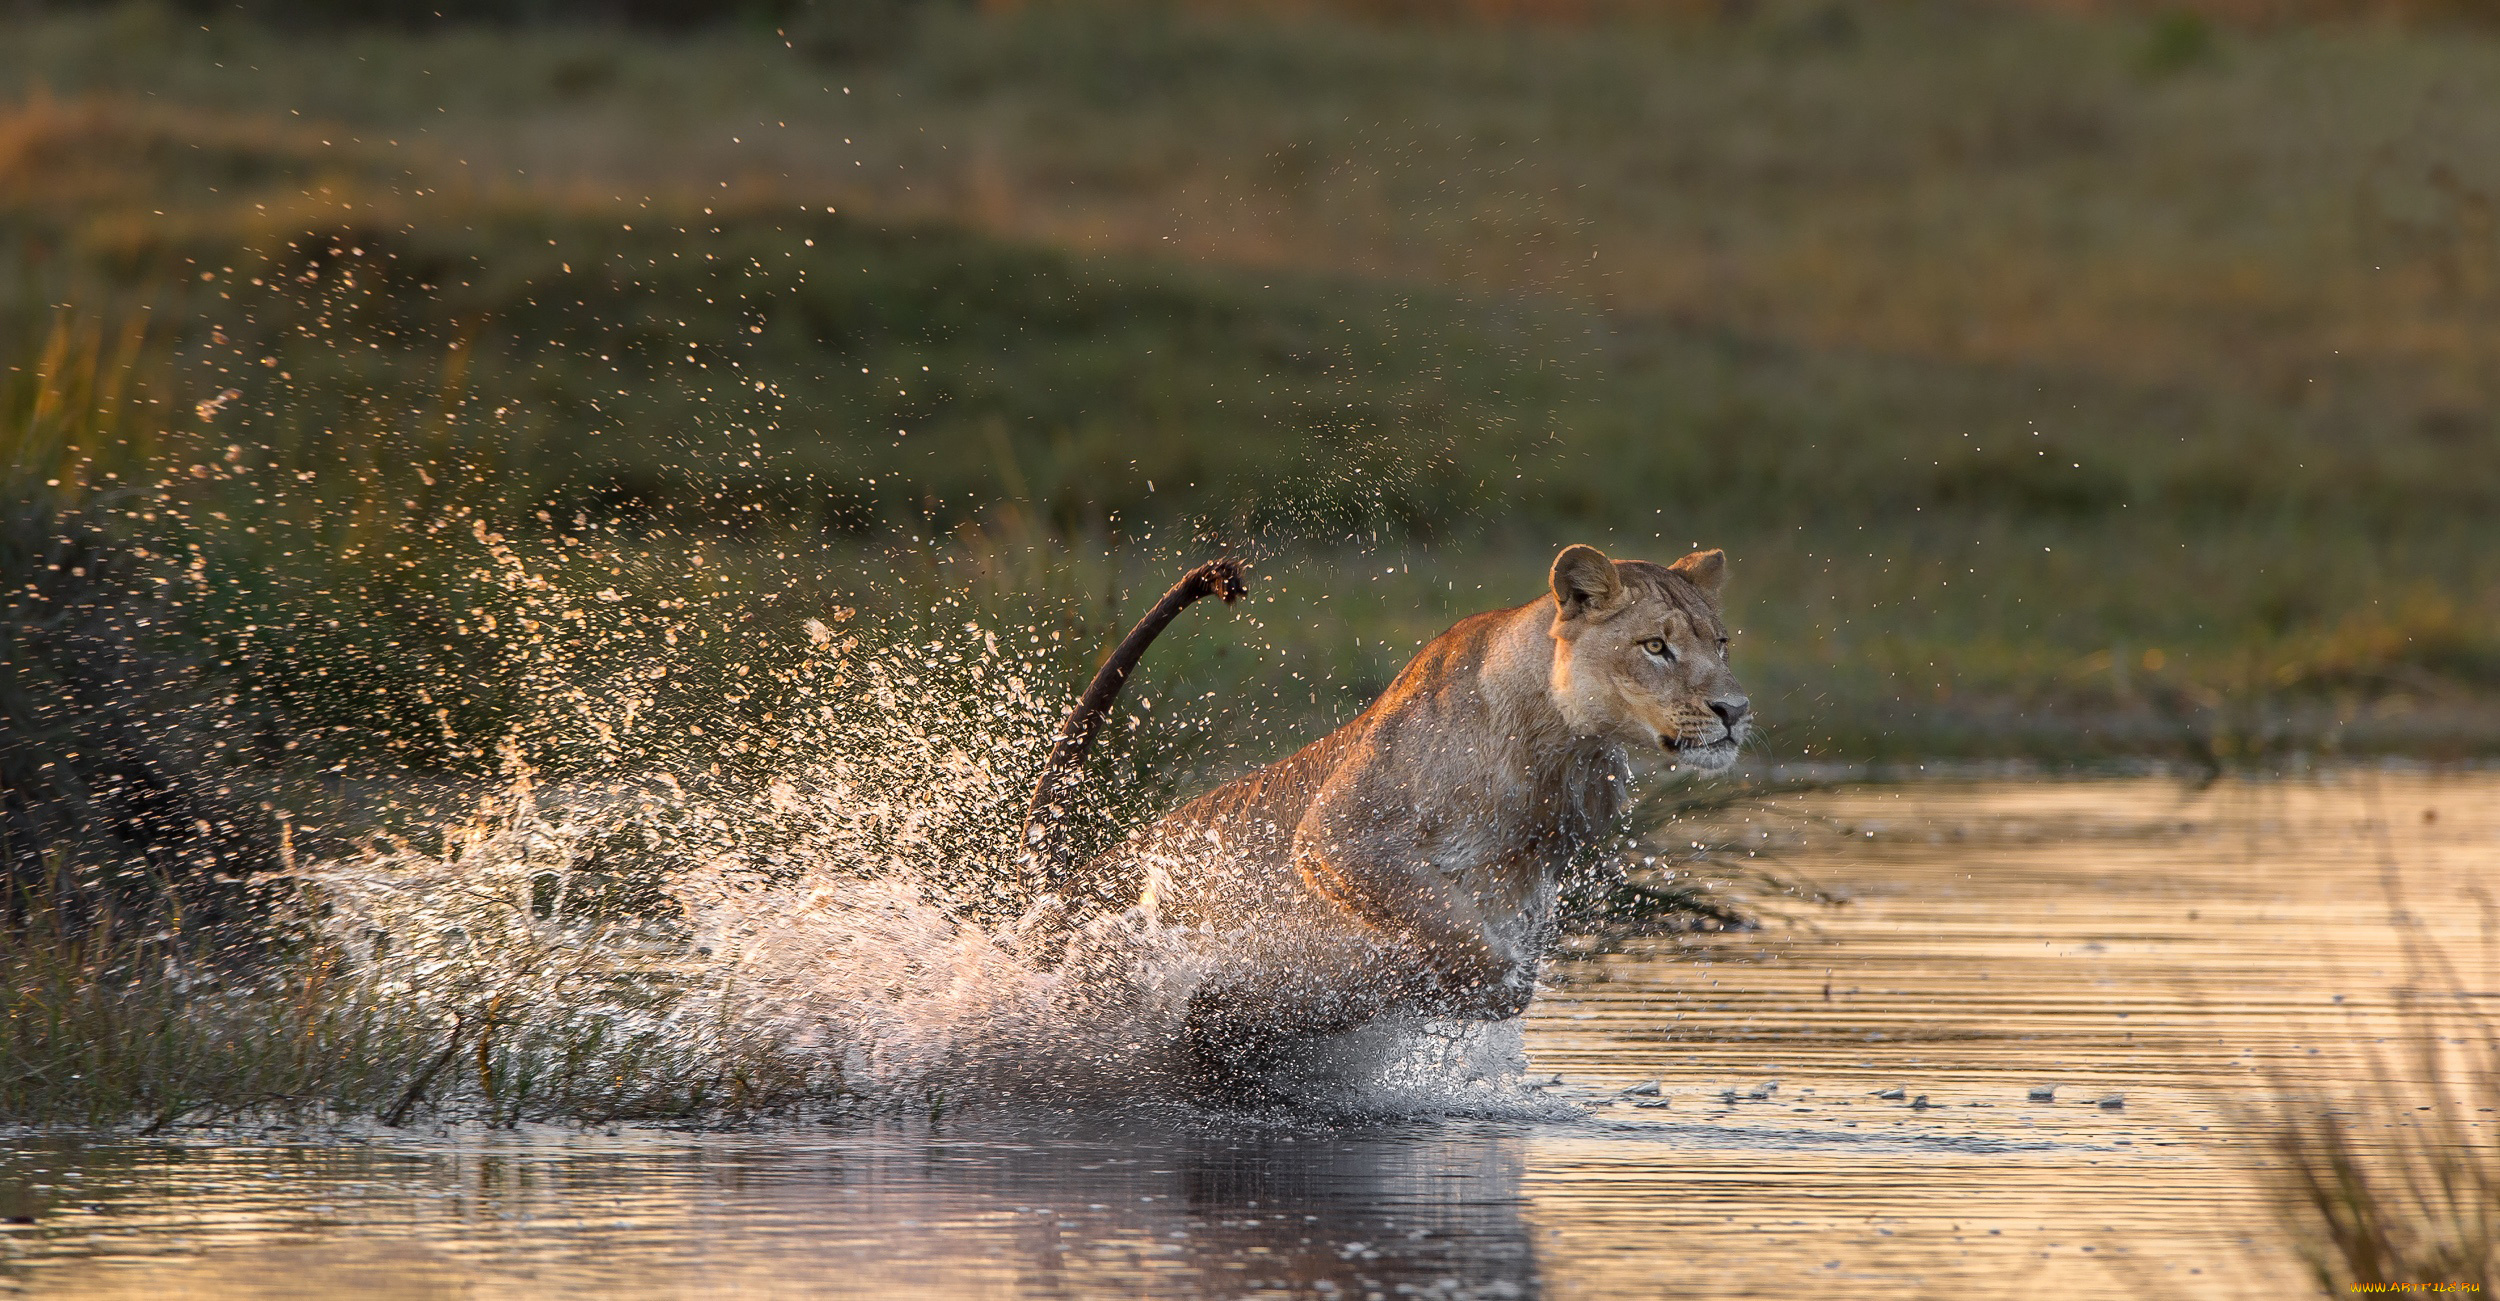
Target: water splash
829, 916
828, 973
713, 841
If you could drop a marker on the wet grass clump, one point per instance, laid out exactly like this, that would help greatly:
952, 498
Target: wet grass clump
145, 1022
108, 1022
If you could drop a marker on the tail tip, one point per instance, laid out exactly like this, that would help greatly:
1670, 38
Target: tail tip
1222, 578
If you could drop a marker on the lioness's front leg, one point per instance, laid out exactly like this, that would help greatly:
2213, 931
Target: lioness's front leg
1358, 849
1452, 967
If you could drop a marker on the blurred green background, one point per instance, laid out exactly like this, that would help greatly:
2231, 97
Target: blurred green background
2084, 384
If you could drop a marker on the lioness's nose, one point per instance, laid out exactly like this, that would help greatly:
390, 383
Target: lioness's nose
1731, 710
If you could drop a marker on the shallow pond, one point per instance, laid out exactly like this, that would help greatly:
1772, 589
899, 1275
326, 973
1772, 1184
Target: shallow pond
2158, 954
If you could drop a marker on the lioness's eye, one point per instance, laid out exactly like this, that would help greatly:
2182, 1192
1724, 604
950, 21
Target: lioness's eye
1658, 646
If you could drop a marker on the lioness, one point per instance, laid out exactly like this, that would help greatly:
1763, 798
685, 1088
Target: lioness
1409, 860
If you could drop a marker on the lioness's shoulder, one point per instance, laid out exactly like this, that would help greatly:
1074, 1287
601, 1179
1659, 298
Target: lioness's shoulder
1460, 652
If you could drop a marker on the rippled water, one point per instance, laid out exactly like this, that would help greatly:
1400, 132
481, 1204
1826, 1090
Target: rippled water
2171, 948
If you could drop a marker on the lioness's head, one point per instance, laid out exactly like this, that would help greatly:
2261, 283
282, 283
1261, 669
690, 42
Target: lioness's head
1640, 655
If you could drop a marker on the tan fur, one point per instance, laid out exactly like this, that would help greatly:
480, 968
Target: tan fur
1409, 859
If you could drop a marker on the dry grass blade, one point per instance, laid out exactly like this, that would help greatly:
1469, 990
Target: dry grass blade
2393, 1181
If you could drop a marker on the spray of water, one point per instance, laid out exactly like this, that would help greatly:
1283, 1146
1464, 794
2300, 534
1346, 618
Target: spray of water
821, 918
577, 767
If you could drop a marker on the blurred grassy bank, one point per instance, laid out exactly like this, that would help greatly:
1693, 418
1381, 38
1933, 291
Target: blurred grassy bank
398, 412
2065, 387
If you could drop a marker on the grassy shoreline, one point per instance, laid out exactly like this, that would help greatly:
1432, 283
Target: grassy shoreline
391, 412
388, 415
2057, 450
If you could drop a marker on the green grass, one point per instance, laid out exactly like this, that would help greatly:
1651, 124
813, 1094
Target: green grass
393, 414
2005, 364
2072, 388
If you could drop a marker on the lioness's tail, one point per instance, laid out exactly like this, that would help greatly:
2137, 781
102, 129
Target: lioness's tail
1045, 859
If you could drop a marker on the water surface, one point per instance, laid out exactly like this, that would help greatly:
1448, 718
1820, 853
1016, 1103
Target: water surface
2155, 953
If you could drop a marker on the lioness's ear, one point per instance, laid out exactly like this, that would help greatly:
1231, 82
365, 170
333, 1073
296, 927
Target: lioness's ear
1706, 570
1585, 580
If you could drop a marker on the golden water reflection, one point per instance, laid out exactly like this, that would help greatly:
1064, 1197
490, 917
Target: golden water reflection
2154, 955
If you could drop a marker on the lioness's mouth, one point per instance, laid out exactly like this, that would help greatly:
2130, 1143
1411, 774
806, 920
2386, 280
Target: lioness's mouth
1706, 756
